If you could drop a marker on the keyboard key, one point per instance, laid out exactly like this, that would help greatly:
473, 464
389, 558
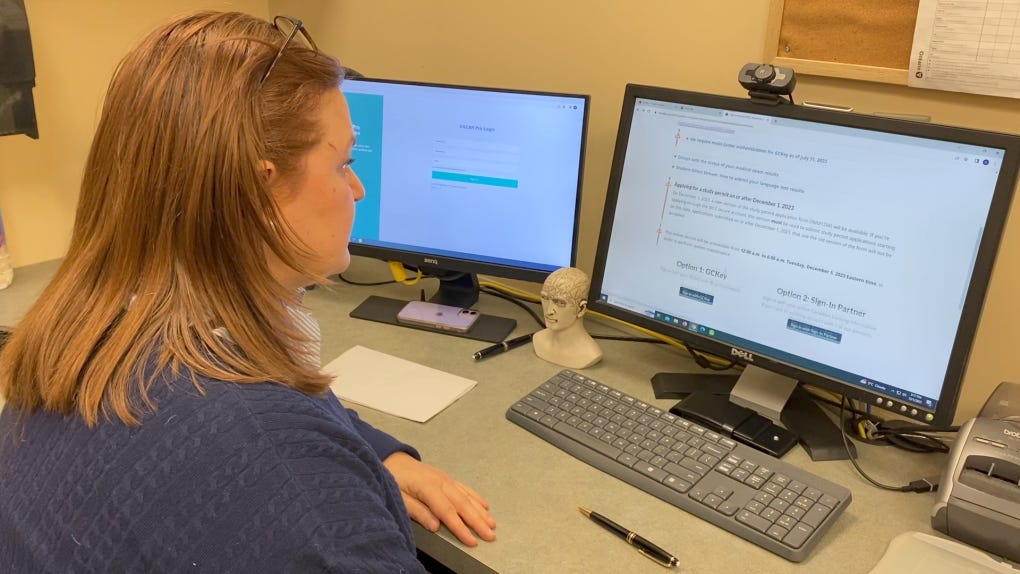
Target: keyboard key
682, 472
714, 450
829, 501
786, 521
651, 471
798, 535
777, 532
754, 507
754, 521
816, 515
722, 492
698, 493
729, 508
676, 484
711, 501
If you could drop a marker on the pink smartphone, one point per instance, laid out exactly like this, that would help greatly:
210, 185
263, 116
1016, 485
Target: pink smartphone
437, 316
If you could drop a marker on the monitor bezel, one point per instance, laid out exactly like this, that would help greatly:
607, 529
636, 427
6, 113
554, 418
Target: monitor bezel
995, 222
437, 265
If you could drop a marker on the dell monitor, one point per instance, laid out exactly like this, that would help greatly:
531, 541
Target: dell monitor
847, 251
461, 180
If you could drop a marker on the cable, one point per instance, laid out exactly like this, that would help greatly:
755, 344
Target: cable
629, 339
920, 485
846, 444
516, 301
869, 428
519, 297
400, 273
531, 297
341, 277
705, 363
511, 291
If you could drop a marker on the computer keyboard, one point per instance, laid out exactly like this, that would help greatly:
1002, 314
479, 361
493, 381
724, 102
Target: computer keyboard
762, 499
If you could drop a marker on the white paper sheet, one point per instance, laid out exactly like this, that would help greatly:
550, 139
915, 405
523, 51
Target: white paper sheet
393, 385
967, 46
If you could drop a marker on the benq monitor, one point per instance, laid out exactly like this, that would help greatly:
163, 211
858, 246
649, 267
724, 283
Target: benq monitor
847, 251
463, 180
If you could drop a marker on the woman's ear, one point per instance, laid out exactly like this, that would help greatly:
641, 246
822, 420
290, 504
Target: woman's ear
268, 171
582, 307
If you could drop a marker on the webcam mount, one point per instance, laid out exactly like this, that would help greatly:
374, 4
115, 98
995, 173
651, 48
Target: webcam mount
767, 84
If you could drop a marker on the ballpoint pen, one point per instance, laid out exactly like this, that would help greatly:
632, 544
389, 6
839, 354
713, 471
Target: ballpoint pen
502, 347
646, 548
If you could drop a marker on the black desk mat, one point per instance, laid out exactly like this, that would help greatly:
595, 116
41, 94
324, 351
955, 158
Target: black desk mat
384, 310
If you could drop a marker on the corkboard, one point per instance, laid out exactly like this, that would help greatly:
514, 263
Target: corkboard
863, 39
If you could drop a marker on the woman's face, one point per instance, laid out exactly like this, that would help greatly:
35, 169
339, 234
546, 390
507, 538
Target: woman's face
318, 202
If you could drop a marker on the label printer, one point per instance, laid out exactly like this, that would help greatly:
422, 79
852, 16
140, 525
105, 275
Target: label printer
979, 496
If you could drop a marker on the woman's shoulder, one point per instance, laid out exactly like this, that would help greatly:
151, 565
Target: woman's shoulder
246, 407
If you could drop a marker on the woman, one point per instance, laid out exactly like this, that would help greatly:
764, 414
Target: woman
165, 408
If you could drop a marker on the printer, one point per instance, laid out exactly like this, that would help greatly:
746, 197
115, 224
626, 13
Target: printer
979, 496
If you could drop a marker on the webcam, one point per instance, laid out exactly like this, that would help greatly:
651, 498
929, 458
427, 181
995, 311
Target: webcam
765, 83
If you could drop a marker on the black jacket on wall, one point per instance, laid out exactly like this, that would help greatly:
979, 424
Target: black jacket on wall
17, 72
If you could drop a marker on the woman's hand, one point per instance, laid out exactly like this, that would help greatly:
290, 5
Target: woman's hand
432, 498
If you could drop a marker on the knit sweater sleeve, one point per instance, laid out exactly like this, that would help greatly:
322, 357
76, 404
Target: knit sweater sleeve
383, 444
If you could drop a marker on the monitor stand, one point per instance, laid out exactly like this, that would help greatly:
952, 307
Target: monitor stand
775, 396
456, 289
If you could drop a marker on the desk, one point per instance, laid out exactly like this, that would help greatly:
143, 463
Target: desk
535, 489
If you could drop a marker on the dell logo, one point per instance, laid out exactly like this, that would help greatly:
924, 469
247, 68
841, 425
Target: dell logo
742, 354
1011, 433
431, 260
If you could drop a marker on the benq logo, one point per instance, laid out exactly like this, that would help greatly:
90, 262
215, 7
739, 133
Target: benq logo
431, 260
742, 354
1011, 433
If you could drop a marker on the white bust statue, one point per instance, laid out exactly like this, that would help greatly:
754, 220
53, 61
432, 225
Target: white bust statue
564, 340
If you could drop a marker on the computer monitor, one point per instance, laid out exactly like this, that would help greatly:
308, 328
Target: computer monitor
463, 180
848, 251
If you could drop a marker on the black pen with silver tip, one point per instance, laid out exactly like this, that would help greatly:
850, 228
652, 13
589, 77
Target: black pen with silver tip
641, 544
502, 347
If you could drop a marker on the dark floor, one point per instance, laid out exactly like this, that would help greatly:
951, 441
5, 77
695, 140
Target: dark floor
432, 565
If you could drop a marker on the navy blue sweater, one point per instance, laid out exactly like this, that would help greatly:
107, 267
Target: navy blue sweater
245, 478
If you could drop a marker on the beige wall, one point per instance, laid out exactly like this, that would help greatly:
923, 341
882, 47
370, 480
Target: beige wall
587, 46
76, 46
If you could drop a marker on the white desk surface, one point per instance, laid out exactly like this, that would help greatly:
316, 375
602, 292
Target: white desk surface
535, 489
